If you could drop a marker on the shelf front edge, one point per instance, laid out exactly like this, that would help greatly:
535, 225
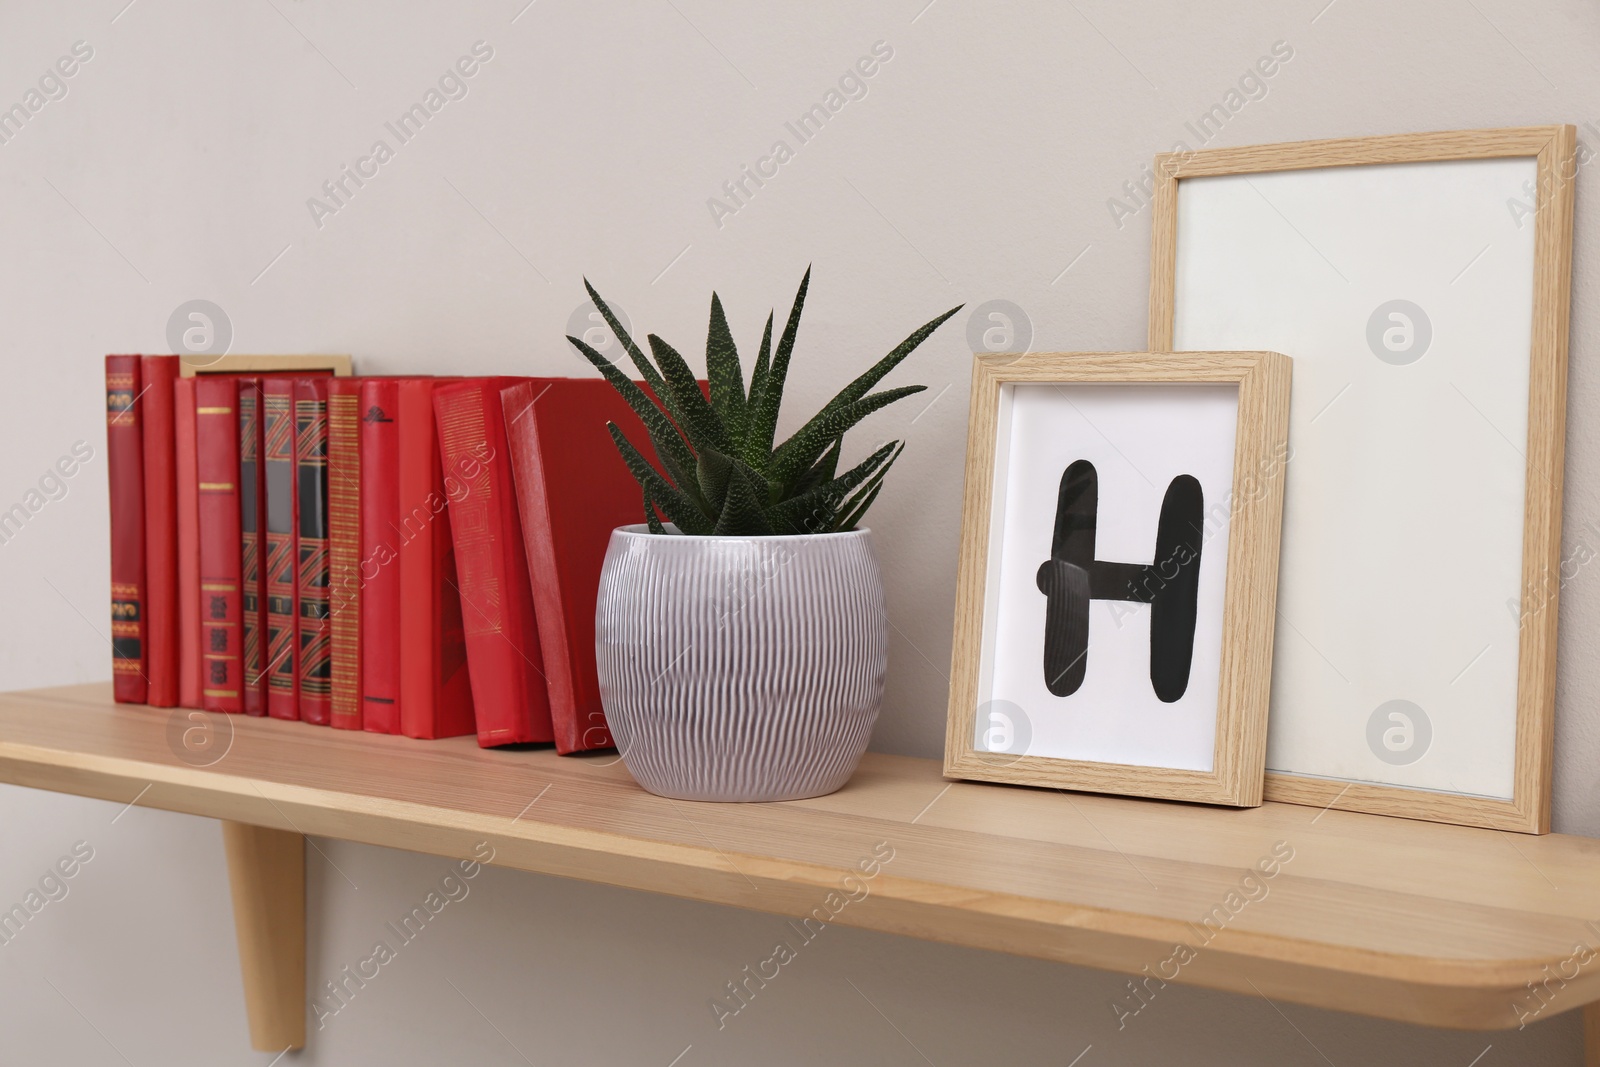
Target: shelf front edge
1478, 995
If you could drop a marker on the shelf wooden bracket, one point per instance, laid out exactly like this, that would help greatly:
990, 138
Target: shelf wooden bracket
267, 875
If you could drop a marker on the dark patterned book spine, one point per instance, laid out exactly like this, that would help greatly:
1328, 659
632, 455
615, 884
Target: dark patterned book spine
311, 467
250, 499
125, 452
344, 549
281, 560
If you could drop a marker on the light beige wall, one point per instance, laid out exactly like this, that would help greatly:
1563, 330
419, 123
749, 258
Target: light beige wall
978, 166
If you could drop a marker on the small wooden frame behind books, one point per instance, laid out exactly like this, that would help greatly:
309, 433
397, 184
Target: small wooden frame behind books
337, 365
1049, 683
1421, 283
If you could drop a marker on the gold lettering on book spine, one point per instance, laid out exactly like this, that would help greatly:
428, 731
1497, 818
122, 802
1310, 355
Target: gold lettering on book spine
344, 552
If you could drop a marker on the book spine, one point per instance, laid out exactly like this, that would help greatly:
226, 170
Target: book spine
570, 497
186, 458
435, 689
157, 374
311, 470
380, 565
453, 713
280, 559
125, 471
419, 657
344, 550
252, 501
503, 655
217, 450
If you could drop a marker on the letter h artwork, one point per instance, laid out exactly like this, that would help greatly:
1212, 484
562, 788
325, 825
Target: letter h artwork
1073, 576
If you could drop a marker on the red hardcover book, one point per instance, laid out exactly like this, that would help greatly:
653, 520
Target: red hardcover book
281, 560
435, 688
125, 471
380, 561
315, 651
157, 375
503, 658
217, 450
573, 490
344, 551
252, 507
186, 458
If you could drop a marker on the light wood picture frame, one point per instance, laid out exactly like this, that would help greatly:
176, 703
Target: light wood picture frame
1147, 417
1327, 251
337, 365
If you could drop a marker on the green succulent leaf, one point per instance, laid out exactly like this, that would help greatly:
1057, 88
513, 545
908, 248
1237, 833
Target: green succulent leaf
848, 520
821, 471
719, 471
725, 374
854, 508
689, 406
664, 436
651, 376
742, 511
815, 510
764, 414
650, 515
876, 373
809, 442
712, 472
678, 506
758, 377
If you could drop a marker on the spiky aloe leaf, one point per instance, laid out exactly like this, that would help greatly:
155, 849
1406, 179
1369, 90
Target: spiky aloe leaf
712, 471
690, 408
651, 376
650, 515
876, 373
821, 471
811, 437
678, 505
722, 473
664, 437
847, 521
725, 374
814, 511
742, 510
808, 443
764, 408
854, 508
758, 378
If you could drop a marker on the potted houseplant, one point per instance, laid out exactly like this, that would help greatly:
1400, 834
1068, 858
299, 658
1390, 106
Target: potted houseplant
741, 635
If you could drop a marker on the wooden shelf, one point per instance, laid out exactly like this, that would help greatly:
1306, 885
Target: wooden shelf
1425, 923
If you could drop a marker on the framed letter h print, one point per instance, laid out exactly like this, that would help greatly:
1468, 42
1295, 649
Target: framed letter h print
1114, 607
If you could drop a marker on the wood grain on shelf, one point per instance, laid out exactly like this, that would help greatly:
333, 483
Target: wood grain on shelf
1554, 149
1440, 925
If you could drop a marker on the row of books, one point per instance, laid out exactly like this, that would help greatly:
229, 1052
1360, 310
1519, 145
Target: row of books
414, 555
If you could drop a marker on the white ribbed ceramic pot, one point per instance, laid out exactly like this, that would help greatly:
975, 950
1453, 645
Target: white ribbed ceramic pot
741, 668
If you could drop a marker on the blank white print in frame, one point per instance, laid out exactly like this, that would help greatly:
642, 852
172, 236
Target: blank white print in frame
1124, 486
1404, 294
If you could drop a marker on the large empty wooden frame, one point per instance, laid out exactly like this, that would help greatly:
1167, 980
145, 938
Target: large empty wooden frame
1421, 284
